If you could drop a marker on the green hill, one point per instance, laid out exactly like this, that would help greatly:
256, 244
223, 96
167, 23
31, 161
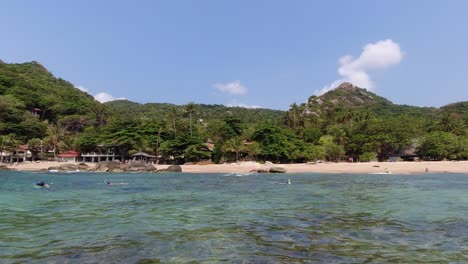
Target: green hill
33, 85
352, 98
202, 111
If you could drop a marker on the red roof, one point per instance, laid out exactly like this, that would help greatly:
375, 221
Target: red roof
69, 154
36, 109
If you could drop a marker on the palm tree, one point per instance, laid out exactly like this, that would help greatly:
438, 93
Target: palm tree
7, 143
173, 118
55, 134
190, 108
295, 115
235, 144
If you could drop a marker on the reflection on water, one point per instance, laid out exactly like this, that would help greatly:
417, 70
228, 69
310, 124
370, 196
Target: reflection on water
164, 218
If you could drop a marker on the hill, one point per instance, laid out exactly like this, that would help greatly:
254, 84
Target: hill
35, 87
347, 97
202, 111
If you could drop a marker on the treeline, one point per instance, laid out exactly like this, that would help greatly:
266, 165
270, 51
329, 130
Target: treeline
51, 116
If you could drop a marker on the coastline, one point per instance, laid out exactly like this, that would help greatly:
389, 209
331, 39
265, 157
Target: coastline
402, 167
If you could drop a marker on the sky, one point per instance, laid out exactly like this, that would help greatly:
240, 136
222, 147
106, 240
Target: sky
246, 53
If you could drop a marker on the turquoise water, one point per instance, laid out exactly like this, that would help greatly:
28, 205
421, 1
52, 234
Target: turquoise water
212, 218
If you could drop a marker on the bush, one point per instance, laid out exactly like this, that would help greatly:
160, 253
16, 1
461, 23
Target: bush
367, 156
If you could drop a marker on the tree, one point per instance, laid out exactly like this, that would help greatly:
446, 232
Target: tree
438, 146
7, 144
190, 108
235, 144
35, 146
173, 118
276, 143
312, 135
55, 134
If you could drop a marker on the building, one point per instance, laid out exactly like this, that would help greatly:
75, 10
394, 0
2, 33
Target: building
142, 156
20, 154
103, 153
73, 156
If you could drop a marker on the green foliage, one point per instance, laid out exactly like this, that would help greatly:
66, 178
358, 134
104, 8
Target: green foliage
439, 145
367, 156
276, 143
312, 135
345, 121
314, 152
34, 86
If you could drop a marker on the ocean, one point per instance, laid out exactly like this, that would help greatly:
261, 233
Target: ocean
233, 218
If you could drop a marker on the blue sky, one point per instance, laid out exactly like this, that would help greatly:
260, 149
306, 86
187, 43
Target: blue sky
252, 53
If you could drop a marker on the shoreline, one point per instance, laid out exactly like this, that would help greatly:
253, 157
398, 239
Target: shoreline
402, 167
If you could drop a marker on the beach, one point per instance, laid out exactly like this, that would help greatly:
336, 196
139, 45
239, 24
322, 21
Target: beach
323, 167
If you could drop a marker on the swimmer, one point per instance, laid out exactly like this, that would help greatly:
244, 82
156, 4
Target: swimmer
42, 184
289, 180
115, 183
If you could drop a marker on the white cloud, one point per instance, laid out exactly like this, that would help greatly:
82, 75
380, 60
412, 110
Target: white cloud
234, 88
234, 103
105, 97
101, 97
375, 56
82, 88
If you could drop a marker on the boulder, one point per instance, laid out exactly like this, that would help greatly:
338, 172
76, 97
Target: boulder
106, 166
137, 164
173, 168
83, 166
277, 170
4, 167
138, 167
69, 167
269, 163
262, 171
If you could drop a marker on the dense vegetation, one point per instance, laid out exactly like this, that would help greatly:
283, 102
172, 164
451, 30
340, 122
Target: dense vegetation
51, 116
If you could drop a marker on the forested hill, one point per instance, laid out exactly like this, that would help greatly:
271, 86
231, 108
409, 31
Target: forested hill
202, 111
31, 97
347, 97
50, 115
35, 87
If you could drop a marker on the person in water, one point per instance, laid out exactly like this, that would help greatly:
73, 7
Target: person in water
42, 184
107, 182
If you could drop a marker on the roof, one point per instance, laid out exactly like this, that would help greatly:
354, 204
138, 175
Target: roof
143, 154
36, 109
22, 147
69, 154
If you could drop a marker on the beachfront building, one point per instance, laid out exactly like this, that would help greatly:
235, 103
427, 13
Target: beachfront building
73, 156
103, 153
20, 154
145, 157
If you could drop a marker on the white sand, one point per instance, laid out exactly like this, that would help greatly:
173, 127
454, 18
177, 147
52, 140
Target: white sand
244, 167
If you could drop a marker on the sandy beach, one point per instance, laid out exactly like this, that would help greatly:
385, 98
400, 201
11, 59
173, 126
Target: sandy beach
326, 167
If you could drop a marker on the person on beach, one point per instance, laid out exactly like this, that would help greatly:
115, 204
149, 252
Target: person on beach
42, 184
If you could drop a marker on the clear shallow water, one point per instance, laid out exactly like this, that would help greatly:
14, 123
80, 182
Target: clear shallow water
211, 218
